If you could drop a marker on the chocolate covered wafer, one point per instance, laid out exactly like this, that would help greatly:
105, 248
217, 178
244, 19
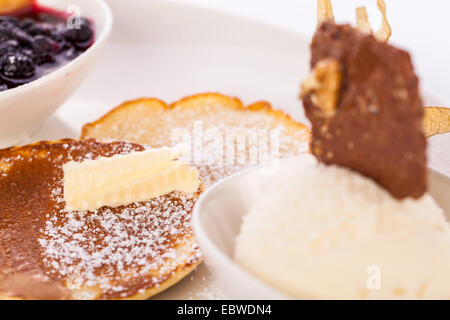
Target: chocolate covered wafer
363, 101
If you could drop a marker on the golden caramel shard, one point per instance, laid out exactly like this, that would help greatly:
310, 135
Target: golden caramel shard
363, 23
362, 20
324, 83
124, 179
324, 11
384, 33
436, 120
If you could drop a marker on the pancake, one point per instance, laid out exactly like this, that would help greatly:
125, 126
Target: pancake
225, 136
132, 251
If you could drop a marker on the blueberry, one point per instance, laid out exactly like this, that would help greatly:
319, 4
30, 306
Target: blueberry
5, 32
9, 20
26, 24
40, 29
8, 46
59, 43
81, 33
22, 37
18, 65
26, 43
28, 52
43, 48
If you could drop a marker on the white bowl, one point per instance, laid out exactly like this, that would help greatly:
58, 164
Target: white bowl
22, 109
218, 216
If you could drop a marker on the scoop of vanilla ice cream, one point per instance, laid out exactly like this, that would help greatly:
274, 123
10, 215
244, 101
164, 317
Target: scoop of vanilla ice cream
329, 233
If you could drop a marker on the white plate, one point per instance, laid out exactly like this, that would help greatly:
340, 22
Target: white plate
168, 50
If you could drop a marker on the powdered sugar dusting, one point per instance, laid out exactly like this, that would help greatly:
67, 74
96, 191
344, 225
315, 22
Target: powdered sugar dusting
119, 250
130, 247
257, 136
215, 164
97, 248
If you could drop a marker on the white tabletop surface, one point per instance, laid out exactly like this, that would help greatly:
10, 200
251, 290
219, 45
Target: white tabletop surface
422, 27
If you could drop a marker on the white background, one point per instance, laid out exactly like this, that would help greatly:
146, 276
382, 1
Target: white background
420, 26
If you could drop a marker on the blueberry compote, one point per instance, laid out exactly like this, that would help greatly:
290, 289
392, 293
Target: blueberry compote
36, 42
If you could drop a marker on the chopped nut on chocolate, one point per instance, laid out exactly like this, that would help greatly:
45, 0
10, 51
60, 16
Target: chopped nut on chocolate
323, 85
376, 124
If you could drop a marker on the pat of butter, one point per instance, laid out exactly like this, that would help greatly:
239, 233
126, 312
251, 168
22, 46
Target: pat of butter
124, 179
